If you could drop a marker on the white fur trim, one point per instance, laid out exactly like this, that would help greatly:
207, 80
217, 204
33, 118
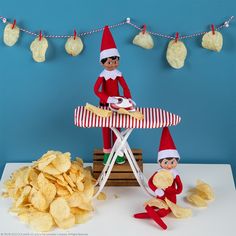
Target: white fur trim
168, 153
174, 172
112, 52
110, 74
159, 192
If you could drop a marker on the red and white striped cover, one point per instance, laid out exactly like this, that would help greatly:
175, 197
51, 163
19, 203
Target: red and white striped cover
153, 118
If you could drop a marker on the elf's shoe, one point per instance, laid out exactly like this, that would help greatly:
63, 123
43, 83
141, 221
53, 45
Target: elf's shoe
120, 160
105, 158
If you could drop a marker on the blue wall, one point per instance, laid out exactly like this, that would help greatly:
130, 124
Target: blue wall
37, 100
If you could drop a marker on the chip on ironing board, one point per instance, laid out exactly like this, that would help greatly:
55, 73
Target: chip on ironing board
163, 179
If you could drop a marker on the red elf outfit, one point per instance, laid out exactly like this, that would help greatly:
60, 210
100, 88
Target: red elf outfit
167, 149
108, 82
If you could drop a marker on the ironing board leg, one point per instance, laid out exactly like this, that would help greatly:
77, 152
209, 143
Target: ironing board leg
117, 147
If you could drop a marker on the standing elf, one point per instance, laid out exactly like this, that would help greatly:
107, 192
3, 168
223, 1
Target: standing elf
168, 158
107, 87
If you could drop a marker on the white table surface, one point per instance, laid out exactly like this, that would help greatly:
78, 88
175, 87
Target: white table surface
114, 215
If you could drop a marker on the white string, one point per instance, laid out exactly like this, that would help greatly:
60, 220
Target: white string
128, 21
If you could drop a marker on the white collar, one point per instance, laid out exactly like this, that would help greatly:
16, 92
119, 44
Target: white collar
110, 74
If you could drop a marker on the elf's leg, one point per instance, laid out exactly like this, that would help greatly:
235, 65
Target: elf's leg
154, 215
160, 212
106, 134
120, 158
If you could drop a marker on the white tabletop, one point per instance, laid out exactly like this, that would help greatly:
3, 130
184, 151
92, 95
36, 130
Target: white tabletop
114, 215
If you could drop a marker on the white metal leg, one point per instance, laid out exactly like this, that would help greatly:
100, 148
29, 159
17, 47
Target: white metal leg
122, 144
118, 146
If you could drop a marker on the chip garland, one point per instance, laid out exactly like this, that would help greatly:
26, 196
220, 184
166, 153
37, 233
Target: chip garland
53, 192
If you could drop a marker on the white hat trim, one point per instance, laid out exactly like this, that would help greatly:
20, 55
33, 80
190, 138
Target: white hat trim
168, 153
112, 52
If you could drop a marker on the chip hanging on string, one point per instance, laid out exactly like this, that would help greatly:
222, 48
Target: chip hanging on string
176, 53
74, 45
144, 39
39, 48
213, 40
11, 34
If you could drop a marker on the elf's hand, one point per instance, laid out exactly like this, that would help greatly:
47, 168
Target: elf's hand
159, 192
112, 100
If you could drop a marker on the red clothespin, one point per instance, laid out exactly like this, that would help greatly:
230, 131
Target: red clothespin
75, 34
213, 29
176, 37
144, 29
40, 35
14, 24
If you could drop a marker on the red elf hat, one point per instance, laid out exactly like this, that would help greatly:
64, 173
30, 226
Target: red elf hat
167, 147
108, 45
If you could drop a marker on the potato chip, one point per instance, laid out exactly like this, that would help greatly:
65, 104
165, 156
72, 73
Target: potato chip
62, 163
212, 41
50, 169
178, 211
205, 190
74, 46
176, 54
66, 223
69, 180
11, 36
101, 196
61, 191
47, 159
157, 203
39, 48
163, 179
196, 200
47, 189
41, 221
23, 196
60, 209
39, 201
144, 40
75, 200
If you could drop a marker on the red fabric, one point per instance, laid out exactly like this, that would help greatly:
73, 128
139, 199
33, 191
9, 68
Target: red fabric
160, 212
170, 193
154, 215
110, 87
107, 39
106, 135
166, 140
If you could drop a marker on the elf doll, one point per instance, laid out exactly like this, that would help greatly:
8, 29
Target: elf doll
107, 87
168, 158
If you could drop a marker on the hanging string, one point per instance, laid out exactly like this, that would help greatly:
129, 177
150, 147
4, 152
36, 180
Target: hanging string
127, 21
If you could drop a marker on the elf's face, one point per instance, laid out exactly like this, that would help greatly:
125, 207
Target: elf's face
111, 64
168, 164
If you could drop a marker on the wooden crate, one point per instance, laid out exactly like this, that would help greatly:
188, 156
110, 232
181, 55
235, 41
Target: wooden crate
121, 175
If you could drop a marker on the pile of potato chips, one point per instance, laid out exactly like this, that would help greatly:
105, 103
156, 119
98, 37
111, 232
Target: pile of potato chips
199, 195
53, 192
